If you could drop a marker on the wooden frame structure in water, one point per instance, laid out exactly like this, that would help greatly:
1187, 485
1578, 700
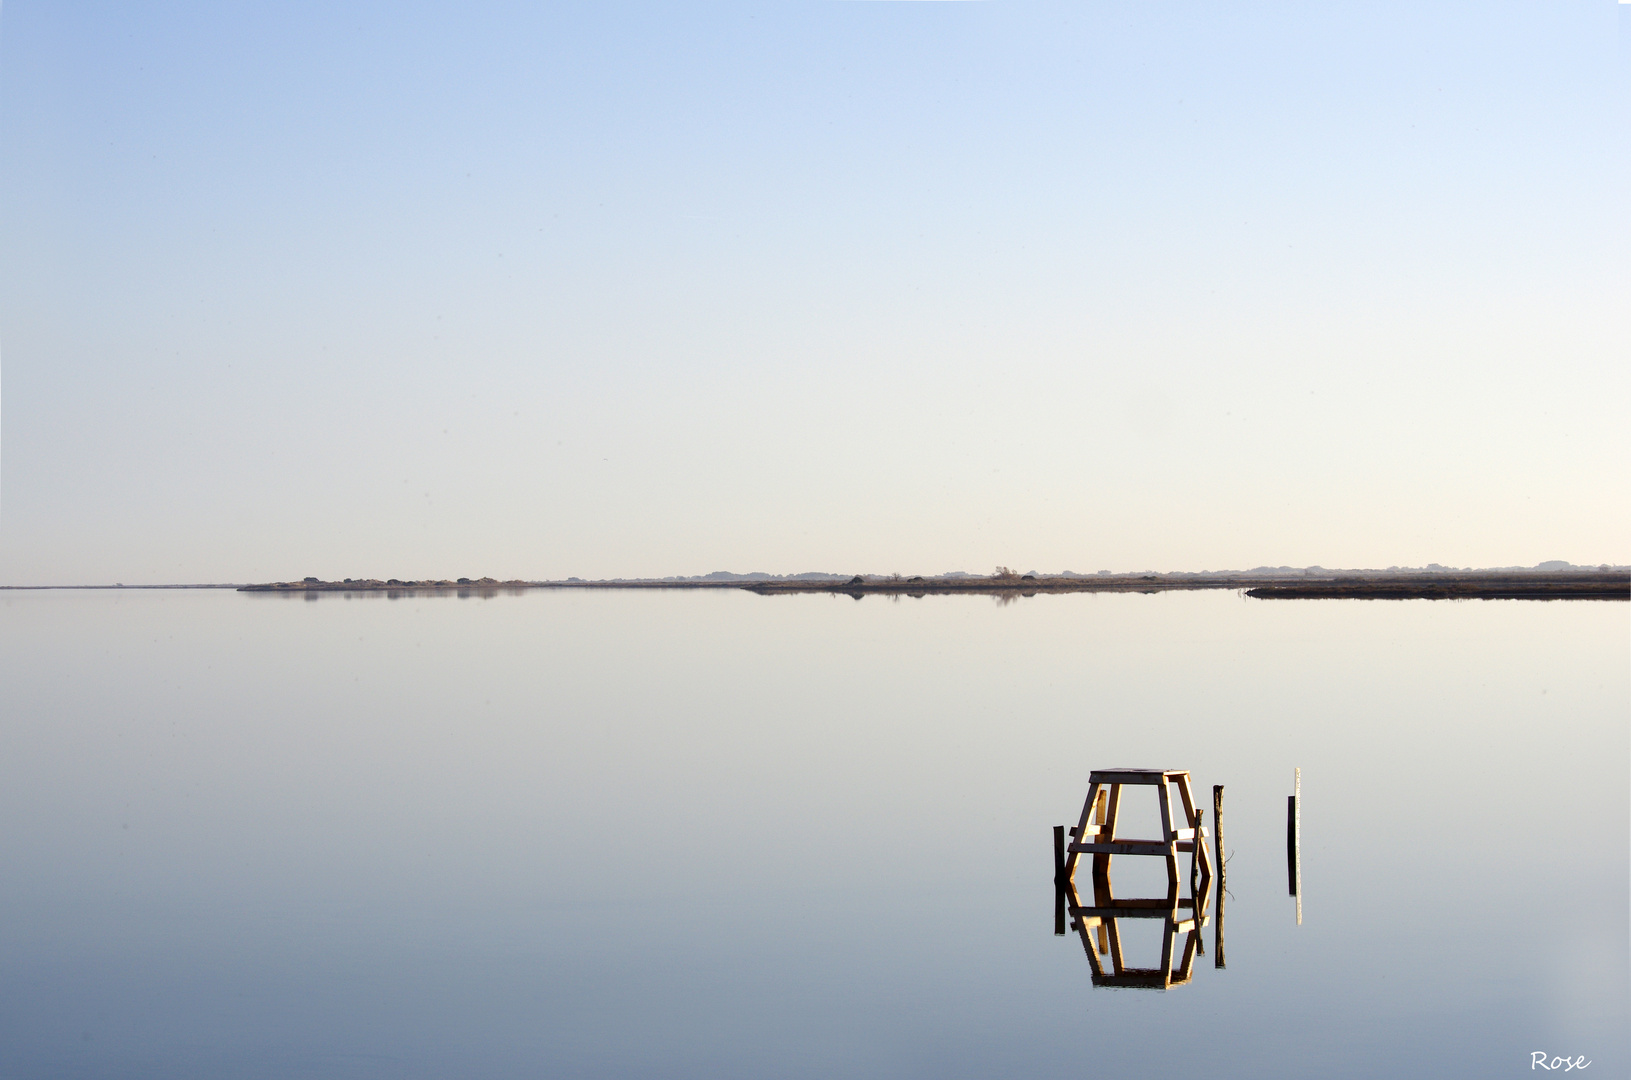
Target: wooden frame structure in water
1095, 832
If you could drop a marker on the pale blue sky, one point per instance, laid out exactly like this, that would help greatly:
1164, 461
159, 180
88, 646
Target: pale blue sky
627, 289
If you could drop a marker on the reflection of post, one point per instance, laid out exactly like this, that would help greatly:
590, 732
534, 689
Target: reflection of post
1200, 892
1223, 870
1059, 880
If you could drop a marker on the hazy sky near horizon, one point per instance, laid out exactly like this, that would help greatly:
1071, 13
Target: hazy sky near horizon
539, 290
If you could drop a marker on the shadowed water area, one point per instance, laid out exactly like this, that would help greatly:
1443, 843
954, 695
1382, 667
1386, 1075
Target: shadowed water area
714, 834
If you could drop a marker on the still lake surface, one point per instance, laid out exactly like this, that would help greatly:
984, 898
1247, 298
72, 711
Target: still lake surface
713, 834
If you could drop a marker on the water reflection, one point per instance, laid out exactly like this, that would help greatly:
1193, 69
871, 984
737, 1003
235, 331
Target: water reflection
462, 592
1099, 925
378, 844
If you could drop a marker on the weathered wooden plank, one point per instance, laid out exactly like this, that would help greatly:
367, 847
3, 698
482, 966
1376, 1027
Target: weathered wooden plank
1186, 797
1167, 941
1082, 928
1068, 871
1121, 847
1197, 850
1129, 776
1133, 982
1123, 913
1107, 832
1137, 903
1168, 830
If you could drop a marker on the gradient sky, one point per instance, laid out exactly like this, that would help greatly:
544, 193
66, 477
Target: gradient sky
607, 289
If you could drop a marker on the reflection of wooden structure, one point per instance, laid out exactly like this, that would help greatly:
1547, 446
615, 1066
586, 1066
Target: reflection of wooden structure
1095, 833
1102, 918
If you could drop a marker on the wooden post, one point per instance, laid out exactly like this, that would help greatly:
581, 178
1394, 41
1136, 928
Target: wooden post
1291, 844
1223, 876
1294, 858
1217, 829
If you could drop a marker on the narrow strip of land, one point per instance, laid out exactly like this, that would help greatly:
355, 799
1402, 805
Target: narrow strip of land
1457, 587
1425, 585
1532, 586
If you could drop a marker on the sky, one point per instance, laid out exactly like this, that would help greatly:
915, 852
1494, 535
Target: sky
622, 289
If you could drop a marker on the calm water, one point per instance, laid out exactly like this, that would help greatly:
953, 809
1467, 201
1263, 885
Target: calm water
722, 835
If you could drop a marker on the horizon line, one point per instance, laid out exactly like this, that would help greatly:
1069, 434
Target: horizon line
1549, 566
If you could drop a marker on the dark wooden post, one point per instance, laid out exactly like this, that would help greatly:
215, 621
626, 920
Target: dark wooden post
1291, 845
1294, 858
1217, 829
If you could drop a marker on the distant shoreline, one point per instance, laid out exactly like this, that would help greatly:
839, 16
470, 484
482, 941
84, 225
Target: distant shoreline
1504, 586
1314, 583
1416, 585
